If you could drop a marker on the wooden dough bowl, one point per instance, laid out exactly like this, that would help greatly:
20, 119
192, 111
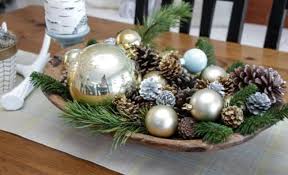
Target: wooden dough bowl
196, 145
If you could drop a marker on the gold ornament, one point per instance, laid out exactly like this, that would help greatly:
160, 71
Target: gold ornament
213, 73
206, 105
101, 72
161, 121
70, 57
157, 76
128, 37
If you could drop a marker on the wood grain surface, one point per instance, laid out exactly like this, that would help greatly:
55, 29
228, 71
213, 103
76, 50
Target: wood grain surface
28, 24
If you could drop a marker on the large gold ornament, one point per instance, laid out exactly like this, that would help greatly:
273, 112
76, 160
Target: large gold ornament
161, 121
101, 72
213, 73
206, 105
128, 37
70, 57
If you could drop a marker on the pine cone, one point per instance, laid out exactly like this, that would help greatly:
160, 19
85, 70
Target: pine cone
229, 87
185, 80
135, 97
267, 80
170, 67
146, 59
232, 116
150, 88
201, 84
183, 96
63, 77
126, 107
166, 98
186, 128
258, 103
173, 88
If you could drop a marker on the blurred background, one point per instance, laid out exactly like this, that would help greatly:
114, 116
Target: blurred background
123, 10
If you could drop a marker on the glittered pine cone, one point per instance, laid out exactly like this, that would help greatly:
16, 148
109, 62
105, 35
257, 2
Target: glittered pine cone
146, 59
126, 107
232, 116
258, 103
267, 80
186, 128
170, 67
229, 87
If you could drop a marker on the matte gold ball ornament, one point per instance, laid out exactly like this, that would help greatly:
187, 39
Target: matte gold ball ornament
161, 121
101, 72
128, 37
213, 73
206, 105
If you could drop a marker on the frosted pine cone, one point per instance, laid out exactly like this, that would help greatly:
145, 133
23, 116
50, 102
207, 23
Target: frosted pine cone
232, 116
217, 87
150, 88
166, 98
258, 103
186, 128
267, 80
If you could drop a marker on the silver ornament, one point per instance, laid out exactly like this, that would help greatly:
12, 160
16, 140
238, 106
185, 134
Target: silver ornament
102, 71
206, 105
161, 121
157, 76
213, 73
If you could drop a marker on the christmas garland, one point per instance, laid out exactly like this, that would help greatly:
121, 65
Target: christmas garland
189, 93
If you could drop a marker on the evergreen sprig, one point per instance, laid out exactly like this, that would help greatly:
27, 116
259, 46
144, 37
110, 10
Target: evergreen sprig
91, 42
161, 21
204, 45
234, 66
101, 119
269, 118
240, 97
49, 85
213, 133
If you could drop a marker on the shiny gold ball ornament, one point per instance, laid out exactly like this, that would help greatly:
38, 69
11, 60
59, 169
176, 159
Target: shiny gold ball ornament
206, 105
70, 57
213, 73
161, 121
102, 71
156, 76
128, 37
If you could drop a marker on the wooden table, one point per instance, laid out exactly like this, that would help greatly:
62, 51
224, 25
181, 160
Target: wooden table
21, 156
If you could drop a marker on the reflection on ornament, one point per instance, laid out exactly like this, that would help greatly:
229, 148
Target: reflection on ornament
194, 60
161, 121
213, 73
102, 71
206, 105
157, 77
128, 37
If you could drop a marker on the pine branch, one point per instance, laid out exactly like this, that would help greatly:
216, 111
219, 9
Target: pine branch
101, 119
234, 66
91, 42
212, 132
161, 21
241, 96
49, 85
269, 118
208, 48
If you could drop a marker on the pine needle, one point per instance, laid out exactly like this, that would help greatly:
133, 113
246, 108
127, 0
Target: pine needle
49, 85
161, 21
269, 118
101, 119
204, 45
213, 133
234, 66
239, 99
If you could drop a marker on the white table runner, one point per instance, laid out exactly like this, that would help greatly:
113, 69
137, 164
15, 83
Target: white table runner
265, 155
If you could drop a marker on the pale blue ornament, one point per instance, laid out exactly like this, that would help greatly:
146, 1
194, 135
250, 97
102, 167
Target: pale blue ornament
194, 60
